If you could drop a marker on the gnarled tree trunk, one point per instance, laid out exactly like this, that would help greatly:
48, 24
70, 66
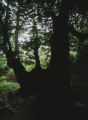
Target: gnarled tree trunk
27, 80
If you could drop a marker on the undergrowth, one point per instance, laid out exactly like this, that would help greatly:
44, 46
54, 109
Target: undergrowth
7, 90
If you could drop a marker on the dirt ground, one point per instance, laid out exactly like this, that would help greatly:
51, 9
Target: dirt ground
27, 109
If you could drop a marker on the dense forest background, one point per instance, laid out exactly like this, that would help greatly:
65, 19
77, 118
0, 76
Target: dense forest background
43, 59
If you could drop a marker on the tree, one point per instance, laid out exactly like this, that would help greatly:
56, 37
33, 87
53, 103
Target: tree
58, 12
16, 32
22, 76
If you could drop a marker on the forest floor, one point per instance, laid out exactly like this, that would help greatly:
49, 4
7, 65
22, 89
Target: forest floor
19, 108
80, 102
24, 109
15, 107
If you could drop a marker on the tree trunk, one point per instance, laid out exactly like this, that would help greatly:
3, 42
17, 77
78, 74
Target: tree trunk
59, 64
16, 65
16, 33
29, 81
38, 67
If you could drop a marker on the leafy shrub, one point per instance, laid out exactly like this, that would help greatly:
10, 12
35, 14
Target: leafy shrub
7, 88
29, 67
2, 78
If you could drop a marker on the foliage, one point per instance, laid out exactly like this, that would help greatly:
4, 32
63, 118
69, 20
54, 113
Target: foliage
3, 65
73, 56
7, 88
33, 23
2, 78
45, 55
28, 67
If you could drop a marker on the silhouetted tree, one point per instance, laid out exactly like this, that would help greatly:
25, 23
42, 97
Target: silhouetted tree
58, 11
